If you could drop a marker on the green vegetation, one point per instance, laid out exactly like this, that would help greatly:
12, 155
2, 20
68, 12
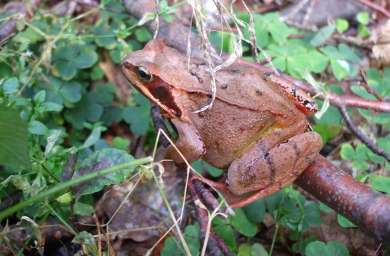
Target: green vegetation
56, 100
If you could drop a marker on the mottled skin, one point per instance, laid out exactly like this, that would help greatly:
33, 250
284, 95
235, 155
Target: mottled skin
254, 130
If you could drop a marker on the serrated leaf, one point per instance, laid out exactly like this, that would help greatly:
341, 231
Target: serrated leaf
13, 139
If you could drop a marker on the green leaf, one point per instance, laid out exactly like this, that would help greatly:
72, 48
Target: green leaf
51, 107
363, 31
101, 159
105, 37
11, 85
86, 58
344, 222
191, 236
340, 68
71, 92
86, 110
337, 248
317, 248
255, 211
347, 152
64, 69
312, 215
332, 248
322, 35
68, 59
88, 241
380, 183
13, 139
121, 143
245, 250
258, 250
225, 231
201, 165
93, 137
37, 128
142, 34
83, 209
40, 97
171, 248
138, 116
363, 18
242, 224
342, 25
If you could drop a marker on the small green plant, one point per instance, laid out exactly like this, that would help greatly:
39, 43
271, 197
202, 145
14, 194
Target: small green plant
57, 99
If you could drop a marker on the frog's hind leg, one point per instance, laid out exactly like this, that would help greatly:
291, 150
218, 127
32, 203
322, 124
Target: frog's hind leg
268, 171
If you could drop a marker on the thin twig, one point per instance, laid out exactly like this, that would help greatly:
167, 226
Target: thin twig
335, 99
376, 7
361, 136
368, 88
215, 246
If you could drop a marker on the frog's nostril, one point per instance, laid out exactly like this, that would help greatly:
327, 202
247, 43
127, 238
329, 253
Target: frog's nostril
126, 64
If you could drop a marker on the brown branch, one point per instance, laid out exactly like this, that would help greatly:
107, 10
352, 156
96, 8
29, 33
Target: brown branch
376, 7
215, 246
368, 88
335, 99
361, 136
18, 10
365, 207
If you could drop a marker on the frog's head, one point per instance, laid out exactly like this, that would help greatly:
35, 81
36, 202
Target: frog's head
147, 71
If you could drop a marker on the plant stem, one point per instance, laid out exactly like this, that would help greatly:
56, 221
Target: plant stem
67, 184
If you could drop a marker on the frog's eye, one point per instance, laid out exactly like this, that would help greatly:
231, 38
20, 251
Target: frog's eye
144, 74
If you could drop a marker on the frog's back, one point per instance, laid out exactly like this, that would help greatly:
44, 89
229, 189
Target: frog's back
236, 84
245, 87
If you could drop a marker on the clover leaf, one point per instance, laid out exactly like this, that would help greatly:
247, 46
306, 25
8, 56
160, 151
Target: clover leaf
68, 59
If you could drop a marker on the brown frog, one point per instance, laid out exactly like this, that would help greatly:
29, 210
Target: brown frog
256, 128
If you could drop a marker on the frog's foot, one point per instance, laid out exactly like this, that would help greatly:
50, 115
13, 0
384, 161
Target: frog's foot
238, 201
267, 172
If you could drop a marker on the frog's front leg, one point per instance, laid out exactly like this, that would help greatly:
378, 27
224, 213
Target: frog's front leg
189, 143
267, 171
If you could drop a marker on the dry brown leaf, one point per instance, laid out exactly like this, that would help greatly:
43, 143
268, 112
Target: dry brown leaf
381, 48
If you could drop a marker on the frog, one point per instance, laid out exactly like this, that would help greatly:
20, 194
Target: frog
256, 127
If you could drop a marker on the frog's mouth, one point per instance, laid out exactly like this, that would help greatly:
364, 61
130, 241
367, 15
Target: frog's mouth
155, 89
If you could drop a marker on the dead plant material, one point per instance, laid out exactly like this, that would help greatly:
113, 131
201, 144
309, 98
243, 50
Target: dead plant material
381, 48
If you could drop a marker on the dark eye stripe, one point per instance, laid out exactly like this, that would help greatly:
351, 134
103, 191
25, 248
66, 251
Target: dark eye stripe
163, 92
